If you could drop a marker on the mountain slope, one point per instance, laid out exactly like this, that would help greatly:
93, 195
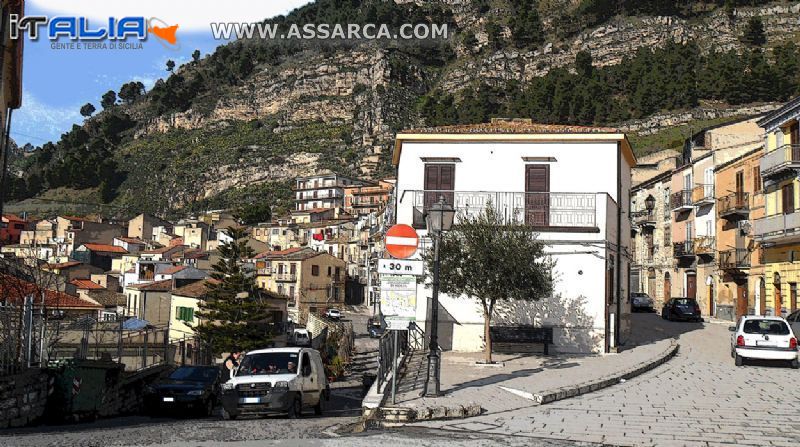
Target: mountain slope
233, 128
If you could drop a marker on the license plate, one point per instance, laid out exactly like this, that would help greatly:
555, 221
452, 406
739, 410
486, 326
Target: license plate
766, 343
252, 400
169, 399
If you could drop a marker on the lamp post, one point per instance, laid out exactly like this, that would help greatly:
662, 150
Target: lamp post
438, 219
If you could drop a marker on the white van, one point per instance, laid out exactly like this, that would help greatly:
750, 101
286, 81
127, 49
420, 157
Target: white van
274, 381
300, 337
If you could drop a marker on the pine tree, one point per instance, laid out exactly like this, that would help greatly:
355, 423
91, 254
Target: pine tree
754, 35
233, 313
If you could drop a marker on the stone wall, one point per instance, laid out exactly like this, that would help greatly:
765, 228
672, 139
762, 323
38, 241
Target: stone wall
23, 397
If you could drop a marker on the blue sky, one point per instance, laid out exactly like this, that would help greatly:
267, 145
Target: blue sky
57, 82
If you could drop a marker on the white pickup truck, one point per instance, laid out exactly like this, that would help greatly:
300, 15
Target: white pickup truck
275, 381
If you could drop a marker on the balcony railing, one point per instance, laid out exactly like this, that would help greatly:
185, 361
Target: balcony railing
734, 259
776, 227
681, 200
337, 194
737, 203
544, 211
286, 277
781, 159
264, 272
704, 245
645, 219
683, 249
703, 195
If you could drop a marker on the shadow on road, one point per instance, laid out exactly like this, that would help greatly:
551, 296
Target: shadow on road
648, 328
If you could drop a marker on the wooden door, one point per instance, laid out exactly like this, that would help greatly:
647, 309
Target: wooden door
787, 198
537, 199
440, 181
792, 297
667, 287
778, 299
762, 302
739, 197
741, 300
691, 286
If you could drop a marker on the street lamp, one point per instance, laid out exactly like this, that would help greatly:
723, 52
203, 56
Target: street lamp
650, 204
438, 219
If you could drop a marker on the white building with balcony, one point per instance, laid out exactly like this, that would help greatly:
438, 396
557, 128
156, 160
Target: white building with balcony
322, 191
571, 184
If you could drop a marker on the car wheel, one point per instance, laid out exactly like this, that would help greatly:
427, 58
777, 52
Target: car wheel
320, 406
739, 360
227, 416
296, 410
795, 364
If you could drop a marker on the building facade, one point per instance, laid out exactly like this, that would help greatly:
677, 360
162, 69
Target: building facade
323, 191
571, 184
778, 231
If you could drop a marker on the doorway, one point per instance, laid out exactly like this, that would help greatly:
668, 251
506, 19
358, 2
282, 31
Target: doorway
667, 287
537, 197
691, 285
762, 297
778, 304
741, 300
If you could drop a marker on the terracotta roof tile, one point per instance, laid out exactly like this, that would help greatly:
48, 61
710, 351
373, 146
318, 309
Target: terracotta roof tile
158, 286
105, 248
63, 265
278, 253
14, 290
86, 284
132, 240
196, 289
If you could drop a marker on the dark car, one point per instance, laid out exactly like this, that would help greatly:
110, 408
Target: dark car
681, 309
188, 387
641, 302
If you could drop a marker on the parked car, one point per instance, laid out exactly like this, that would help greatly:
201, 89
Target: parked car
794, 322
300, 337
334, 314
641, 302
681, 309
766, 338
188, 387
275, 381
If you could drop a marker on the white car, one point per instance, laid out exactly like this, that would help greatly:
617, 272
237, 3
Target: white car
278, 380
765, 338
300, 337
334, 314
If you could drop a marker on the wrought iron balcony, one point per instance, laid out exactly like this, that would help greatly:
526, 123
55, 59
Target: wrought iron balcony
782, 159
704, 245
776, 228
683, 249
681, 201
703, 195
736, 204
734, 259
286, 277
544, 211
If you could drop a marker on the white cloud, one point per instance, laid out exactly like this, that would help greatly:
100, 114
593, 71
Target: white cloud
190, 15
38, 123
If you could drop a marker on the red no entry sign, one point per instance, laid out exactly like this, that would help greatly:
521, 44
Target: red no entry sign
401, 241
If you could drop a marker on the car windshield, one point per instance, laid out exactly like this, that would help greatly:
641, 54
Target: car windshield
195, 374
301, 335
766, 327
269, 363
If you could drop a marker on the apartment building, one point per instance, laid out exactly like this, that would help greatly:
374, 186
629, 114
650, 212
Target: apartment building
651, 241
571, 184
778, 231
739, 201
360, 200
322, 191
313, 281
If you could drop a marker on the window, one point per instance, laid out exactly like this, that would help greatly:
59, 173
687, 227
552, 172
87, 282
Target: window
293, 268
330, 270
275, 231
766, 327
291, 291
314, 270
185, 314
756, 178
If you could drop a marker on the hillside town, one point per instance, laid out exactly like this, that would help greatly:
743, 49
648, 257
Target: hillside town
476, 276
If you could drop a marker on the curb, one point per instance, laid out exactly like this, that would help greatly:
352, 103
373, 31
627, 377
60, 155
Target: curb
605, 382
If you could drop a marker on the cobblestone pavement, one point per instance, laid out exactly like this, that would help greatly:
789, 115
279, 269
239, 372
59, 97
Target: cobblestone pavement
697, 398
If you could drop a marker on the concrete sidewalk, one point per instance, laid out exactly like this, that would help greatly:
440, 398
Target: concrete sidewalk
520, 381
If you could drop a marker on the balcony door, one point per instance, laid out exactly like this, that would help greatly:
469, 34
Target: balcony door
691, 285
787, 198
537, 199
440, 181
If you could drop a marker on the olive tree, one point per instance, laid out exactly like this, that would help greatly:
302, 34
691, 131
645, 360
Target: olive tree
489, 257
